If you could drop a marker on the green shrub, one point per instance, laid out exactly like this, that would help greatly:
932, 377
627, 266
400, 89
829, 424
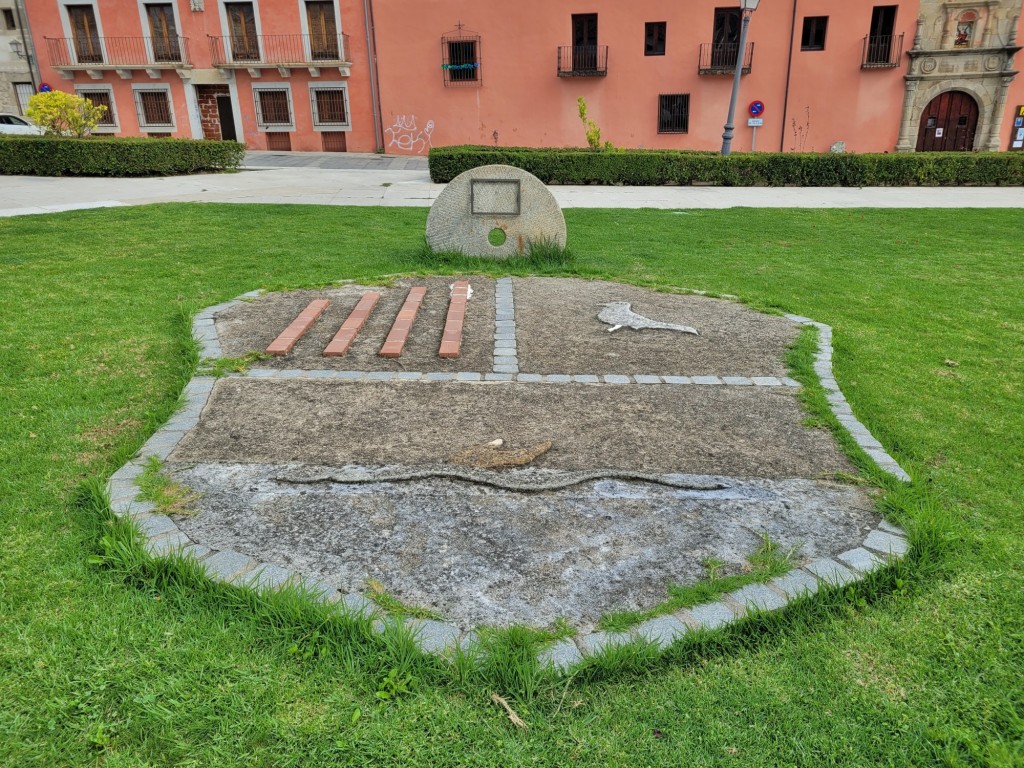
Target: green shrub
95, 156
64, 114
650, 167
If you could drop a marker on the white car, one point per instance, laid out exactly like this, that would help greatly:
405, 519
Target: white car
18, 125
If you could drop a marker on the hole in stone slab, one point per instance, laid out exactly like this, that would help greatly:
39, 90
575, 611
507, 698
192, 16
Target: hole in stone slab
496, 237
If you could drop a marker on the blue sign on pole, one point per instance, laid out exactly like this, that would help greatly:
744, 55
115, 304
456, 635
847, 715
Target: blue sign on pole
756, 108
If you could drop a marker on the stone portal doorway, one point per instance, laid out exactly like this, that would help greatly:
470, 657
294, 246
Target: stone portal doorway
948, 123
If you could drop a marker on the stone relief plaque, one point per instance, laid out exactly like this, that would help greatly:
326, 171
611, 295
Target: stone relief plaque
495, 197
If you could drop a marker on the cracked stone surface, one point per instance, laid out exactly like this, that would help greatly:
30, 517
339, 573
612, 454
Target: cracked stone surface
480, 556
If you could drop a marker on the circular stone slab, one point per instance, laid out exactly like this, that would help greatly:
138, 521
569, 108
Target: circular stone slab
494, 197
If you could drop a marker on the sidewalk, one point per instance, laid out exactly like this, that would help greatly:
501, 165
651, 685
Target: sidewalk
391, 181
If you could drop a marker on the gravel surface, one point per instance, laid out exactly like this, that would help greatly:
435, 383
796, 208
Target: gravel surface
558, 332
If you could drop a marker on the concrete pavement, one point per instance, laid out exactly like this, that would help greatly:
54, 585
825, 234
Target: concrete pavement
403, 181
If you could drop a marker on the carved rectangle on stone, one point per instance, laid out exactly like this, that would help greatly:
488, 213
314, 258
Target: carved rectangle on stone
494, 197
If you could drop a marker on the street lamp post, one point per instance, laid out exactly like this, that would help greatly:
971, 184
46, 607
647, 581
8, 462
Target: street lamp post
747, 7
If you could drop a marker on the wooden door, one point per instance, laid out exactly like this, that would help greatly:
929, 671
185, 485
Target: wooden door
245, 45
226, 118
85, 34
323, 31
584, 41
725, 37
883, 25
163, 32
948, 123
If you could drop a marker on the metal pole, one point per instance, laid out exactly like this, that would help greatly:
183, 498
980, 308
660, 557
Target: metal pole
729, 127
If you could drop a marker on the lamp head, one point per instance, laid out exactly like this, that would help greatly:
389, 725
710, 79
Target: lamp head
749, 5
19, 48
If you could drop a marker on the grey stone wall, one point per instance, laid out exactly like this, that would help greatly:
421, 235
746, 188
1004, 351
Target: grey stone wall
12, 68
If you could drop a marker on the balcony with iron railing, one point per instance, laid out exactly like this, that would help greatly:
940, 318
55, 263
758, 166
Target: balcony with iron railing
720, 58
582, 60
283, 51
89, 52
882, 51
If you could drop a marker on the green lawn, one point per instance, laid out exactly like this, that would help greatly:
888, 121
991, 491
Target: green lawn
97, 668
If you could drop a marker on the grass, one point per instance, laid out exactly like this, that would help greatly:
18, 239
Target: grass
224, 366
767, 562
106, 659
170, 498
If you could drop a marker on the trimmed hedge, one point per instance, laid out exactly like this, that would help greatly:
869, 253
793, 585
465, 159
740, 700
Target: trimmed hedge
651, 167
94, 156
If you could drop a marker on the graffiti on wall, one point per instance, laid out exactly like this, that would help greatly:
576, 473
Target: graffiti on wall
404, 134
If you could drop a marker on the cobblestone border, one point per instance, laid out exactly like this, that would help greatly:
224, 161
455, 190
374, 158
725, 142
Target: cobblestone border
162, 537
841, 408
532, 378
506, 359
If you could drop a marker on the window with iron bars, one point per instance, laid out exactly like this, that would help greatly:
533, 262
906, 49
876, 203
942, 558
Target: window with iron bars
102, 98
273, 107
674, 113
460, 60
329, 107
154, 108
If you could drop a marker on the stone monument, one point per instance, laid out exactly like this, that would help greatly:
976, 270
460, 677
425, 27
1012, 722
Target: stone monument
494, 210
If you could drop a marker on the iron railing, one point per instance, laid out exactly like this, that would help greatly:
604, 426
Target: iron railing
582, 60
882, 51
88, 52
279, 50
720, 58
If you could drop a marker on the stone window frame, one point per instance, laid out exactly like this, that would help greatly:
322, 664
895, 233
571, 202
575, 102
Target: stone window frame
985, 10
154, 127
318, 124
115, 125
261, 122
69, 32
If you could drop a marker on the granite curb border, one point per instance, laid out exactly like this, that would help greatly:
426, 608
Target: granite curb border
500, 374
840, 407
162, 537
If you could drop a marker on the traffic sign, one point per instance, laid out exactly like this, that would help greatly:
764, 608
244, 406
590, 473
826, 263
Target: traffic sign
755, 122
756, 108
45, 88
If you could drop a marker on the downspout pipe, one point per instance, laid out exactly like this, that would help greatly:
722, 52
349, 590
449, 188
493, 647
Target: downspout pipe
371, 55
789, 74
26, 43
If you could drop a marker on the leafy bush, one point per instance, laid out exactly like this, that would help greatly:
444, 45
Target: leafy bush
46, 156
650, 167
64, 114
593, 131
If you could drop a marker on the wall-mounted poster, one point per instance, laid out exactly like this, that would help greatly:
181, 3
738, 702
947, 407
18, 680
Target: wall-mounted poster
1017, 134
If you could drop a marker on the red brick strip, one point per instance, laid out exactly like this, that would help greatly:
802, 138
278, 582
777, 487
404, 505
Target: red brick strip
451, 341
283, 344
395, 342
352, 326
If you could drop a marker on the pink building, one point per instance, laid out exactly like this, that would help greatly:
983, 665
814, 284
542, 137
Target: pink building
280, 74
402, 76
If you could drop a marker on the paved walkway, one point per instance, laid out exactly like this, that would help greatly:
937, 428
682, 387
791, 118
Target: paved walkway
348, 161
359, 179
